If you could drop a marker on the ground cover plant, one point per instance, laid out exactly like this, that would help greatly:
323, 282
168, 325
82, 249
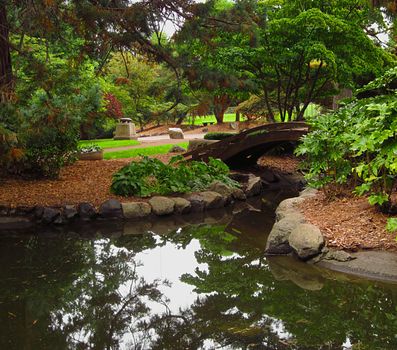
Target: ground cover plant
108, 143
218, 135
146, 151
151, 176
357, 145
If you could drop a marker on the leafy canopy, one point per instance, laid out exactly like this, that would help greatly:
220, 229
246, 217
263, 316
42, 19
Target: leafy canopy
290, 53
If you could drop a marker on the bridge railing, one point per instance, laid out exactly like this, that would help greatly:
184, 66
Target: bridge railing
217, 148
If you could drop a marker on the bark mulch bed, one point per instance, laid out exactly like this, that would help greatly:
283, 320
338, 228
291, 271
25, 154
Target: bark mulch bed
84, 181
349, 223
285, 163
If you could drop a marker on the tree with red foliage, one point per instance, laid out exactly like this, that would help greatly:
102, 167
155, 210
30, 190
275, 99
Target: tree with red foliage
113, 106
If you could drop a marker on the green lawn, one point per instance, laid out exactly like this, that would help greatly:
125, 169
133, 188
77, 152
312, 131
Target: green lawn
211, 118
311, 110
147, 151
108, 143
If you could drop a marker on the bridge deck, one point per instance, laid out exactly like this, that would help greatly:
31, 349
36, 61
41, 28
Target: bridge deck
250, 144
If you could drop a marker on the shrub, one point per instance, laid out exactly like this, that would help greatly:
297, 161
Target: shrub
218, 135
151, 176
357, 144
51, 132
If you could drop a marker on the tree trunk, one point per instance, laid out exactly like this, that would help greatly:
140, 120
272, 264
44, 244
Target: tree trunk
181, 117
6, 79
221, 104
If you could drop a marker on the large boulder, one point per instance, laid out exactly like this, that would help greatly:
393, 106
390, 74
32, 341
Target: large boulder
136, 210
221, 188
196, 202
50, 215
69, 212
86, 211
288, 207
176, 133
162, 205
205, 200
212, 199
278, 240
111, 209
240, 177
228, 193
182, 205
239, 194
306, 240
308, 192
254, 186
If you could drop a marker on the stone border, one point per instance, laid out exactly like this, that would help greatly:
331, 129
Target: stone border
217, 196
291, 234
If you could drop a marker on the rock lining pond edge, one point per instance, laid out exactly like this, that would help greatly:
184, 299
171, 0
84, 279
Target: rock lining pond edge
292, 235
218, 195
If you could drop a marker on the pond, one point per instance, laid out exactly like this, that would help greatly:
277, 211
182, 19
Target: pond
198, 286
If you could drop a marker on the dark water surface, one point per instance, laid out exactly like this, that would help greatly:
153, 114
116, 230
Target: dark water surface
200, 286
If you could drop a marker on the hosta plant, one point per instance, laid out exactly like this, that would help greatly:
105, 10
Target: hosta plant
151, 176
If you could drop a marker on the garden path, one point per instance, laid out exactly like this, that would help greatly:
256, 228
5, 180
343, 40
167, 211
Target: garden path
156, 141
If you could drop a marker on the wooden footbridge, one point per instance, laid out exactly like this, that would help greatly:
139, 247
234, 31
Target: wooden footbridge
246, 147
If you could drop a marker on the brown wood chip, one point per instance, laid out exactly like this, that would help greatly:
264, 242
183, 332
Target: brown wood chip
84, 181
349, 223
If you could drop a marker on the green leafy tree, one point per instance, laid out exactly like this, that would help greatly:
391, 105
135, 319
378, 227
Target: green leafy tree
203, 53
294, 52
49, 45
140, 86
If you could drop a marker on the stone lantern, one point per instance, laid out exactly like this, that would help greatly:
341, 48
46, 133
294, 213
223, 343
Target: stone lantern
125, 130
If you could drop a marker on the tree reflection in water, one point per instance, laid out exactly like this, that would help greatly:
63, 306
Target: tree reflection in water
108, 301
93, 294
246, 307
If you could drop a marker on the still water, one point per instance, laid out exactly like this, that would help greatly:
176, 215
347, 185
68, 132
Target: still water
196, 286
